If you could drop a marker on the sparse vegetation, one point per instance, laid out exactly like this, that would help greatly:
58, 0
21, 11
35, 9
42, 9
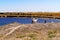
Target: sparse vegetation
20, 36
46, 33
51, 33
33, 36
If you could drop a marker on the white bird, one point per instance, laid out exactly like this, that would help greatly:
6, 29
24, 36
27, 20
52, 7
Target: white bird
34, 20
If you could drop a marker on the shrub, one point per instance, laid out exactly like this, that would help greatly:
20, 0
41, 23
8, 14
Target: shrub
33, 36
51, 33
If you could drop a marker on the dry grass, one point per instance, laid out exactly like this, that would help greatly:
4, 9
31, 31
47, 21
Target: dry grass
38, 31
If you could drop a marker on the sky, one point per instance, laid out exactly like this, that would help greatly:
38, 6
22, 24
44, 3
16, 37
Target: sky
29, 5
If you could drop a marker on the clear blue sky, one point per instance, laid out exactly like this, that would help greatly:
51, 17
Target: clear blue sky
29, 5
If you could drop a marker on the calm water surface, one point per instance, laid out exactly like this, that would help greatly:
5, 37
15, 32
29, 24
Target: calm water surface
4, 21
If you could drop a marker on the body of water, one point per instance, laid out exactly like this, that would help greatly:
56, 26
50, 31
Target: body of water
4, 21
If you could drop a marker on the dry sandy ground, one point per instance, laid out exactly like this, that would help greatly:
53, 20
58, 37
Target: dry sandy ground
37, 31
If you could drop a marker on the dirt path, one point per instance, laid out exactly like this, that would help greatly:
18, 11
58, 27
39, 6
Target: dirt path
12, 30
